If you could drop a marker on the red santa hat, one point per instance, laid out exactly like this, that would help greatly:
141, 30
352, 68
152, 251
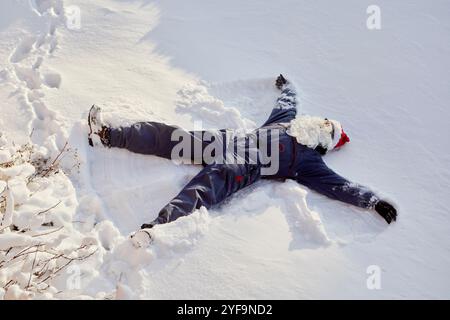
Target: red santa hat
340, 137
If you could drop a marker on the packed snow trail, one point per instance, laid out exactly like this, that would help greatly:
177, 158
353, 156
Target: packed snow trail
157, 61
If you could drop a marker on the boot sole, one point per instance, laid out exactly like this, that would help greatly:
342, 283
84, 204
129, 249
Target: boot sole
91, 143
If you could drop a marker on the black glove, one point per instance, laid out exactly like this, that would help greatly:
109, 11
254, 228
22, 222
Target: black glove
386, 210
280, 81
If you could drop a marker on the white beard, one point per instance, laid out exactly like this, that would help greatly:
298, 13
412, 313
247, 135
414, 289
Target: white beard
312, 131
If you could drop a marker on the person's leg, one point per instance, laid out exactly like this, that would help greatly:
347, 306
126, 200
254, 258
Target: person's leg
144, 137
209, 187
159, 139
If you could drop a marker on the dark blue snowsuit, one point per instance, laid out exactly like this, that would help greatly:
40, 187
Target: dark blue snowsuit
215, 182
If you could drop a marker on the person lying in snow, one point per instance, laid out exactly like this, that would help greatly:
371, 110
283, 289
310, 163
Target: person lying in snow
302, 140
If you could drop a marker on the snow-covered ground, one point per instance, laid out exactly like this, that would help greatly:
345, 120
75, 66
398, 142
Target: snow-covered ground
215, 61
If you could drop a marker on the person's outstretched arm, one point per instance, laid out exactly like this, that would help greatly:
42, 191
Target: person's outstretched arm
286, 105
317, 176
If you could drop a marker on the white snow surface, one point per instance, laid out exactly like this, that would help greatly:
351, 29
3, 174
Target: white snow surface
216, 61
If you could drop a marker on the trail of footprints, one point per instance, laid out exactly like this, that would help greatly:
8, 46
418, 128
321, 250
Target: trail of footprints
25, 72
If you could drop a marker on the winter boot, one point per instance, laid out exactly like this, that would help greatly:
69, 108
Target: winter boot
142, 238
99, 133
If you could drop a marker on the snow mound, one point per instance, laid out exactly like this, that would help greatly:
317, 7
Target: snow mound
39, 240
308, 222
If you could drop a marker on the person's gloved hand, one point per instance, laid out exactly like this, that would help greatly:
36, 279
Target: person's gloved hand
386, 210
280, 81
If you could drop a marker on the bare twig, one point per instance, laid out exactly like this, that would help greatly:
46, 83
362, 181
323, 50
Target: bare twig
50, 168
78, 221
23, 253
32, 268
61, 255
81, 258
10, 282
26, 249
31, 252
47, 210
47, 233
69, 262
54, 273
